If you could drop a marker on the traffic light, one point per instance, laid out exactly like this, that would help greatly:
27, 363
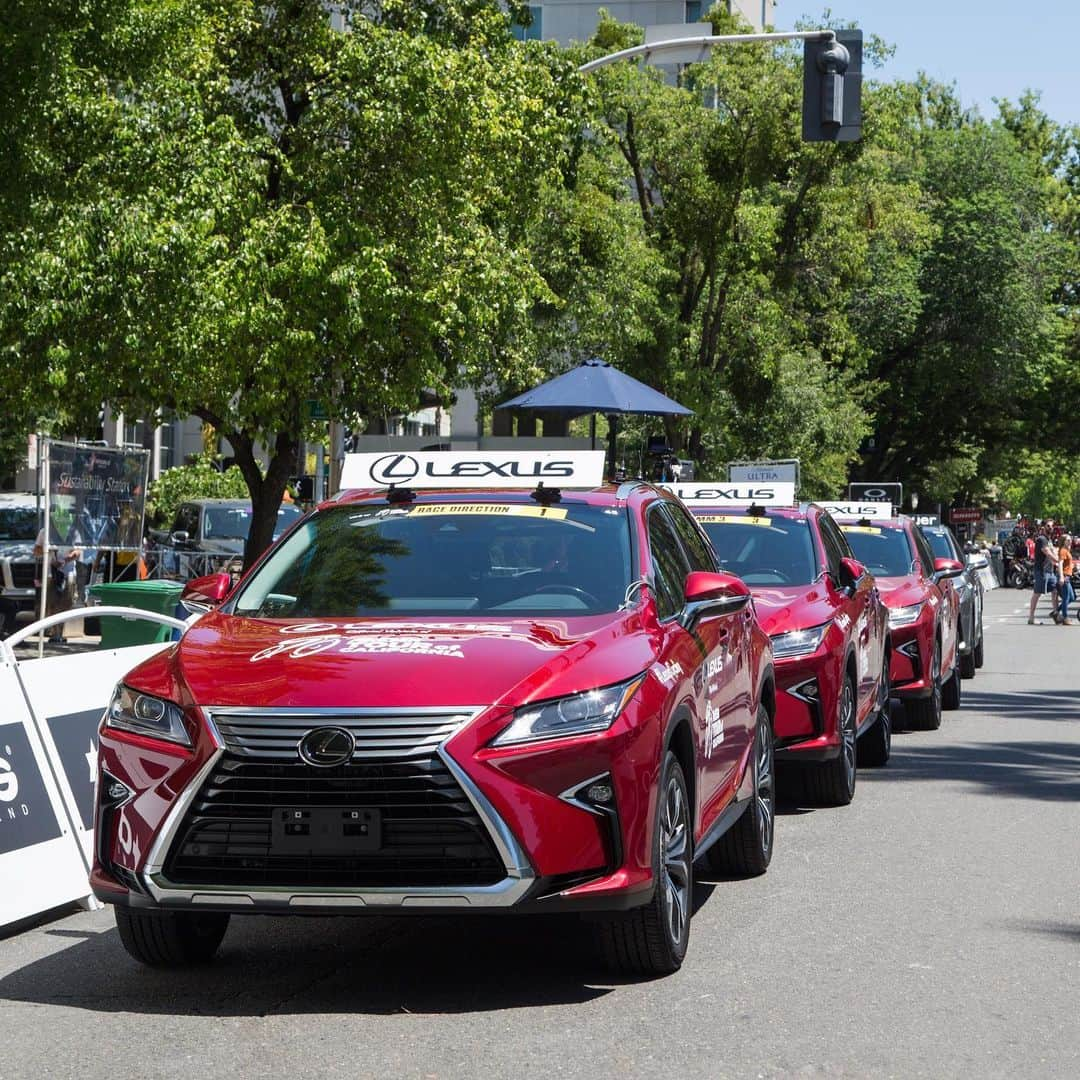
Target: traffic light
832, 88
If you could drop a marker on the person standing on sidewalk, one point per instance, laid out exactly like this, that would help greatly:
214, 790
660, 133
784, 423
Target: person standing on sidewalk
1066, 593
1046, 572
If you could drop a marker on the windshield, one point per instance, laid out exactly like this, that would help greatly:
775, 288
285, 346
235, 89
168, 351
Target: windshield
234, 522
885, 552
444, 559
763, 550
18, 523
939, 544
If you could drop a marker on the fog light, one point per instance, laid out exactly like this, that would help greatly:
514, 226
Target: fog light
601, 793
118, 791
807, 691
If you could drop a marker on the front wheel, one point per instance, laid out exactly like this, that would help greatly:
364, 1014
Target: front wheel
977, 652
652, 939
875, 747
924, 714
170, 938
832, 783
951, 691
745, 850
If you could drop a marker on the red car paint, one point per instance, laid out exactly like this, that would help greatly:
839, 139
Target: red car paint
701, 688
856, 641
938, 619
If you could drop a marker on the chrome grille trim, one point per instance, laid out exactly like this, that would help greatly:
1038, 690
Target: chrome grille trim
519, 871
274, 734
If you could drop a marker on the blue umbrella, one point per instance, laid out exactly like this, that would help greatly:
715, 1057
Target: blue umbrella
596, 387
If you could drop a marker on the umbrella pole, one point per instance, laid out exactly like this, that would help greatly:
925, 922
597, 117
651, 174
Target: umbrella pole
592, 429
613, 421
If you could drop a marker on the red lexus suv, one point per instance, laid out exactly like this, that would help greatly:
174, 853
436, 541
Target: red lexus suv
447, 701
924, 613
830, 639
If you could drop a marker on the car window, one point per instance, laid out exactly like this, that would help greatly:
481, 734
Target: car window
669, 563
18, 523
926, 555
227, 522
831, 539
694, 544
884, 550
940, 544
446, 558
762, 550
187, 520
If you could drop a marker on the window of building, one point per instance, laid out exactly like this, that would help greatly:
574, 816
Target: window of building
535, 30
693, 11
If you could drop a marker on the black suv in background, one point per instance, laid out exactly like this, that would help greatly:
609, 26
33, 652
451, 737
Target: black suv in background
18, 531
969, 588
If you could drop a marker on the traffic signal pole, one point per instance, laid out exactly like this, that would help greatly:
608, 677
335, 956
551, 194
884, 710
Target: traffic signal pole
832, 73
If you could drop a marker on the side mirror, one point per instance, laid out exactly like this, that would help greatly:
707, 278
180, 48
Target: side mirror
713, 594
851, 570
978, 562
947, 568
179, 537
205, 593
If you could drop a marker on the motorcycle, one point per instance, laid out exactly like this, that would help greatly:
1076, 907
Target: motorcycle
1021, 574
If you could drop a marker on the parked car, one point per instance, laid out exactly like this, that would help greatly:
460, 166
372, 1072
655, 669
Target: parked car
483, 699
924, 614
18, 571
969, 590
829, 633
208, 535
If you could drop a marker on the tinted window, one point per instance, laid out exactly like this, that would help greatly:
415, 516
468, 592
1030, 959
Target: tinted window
446, 558
833, 542
939, 543
697, 550
763, 550
669, 564
923, 550
17, 523
187, 520
884, 551
226, 523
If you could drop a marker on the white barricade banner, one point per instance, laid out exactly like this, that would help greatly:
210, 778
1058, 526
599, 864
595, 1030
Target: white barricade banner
68, 695
41, 864
475, 469
778, 493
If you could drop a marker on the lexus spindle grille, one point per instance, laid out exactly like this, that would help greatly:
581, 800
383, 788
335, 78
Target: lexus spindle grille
406, 820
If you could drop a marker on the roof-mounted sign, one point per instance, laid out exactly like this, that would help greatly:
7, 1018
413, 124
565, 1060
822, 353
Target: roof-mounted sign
857, 510
474, 469
779, 493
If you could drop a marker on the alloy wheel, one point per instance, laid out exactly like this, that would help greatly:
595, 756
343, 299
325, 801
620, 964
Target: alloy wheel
675, 859
765, 786
847, 732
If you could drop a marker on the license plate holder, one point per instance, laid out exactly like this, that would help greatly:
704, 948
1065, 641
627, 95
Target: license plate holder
325, 830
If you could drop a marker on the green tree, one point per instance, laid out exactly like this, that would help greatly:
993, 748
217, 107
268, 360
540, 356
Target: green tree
227, 207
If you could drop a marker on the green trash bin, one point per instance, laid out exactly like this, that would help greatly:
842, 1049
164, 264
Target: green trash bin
118, 632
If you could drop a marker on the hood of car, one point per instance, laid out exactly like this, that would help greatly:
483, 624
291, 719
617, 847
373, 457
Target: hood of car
229, 660
792, 607
16, 549
231, 546
901, 591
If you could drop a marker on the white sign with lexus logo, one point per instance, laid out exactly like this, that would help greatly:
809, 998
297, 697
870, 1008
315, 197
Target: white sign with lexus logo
760, 494
474, 469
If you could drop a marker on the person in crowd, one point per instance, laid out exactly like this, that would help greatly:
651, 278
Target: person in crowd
1046, 571
1066, 593
58, 579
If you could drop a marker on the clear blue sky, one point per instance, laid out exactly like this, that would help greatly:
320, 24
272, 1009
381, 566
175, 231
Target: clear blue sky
989, 48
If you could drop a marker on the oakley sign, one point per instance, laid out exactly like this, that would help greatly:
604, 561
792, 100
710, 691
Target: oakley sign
475, 469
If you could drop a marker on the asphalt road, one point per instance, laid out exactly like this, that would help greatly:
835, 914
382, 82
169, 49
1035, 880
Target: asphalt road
930, 929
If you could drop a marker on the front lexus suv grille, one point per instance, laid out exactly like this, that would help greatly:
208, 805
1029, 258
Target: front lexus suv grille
407, 820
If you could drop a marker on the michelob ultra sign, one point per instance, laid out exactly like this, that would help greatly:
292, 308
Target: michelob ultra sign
474, 469
778, 493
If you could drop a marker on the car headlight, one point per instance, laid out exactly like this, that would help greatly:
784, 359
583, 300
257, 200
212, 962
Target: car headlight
579, 714
144, 714
798, 642
904, 616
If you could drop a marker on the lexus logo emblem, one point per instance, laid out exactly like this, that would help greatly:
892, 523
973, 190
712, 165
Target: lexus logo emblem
394, 469
327, 746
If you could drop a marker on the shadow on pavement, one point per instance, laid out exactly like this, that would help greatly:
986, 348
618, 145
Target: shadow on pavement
1026, 704
1026, 770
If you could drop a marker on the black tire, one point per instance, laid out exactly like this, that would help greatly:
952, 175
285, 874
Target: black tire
652, 939
745, 850
924, 714
977, 653
1017, 578
170, 938
875, 745
951, 691
832, 783
967, 666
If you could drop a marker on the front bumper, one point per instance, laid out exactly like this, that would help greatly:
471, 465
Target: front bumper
548, 849
807, 704
909, 667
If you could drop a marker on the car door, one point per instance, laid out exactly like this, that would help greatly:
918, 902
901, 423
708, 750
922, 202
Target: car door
856, 606
712, 654
949, 605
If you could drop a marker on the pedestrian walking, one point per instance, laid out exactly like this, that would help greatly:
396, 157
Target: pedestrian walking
1046, 571
1066, 593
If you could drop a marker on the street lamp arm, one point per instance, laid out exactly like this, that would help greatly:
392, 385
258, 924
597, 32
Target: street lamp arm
705, 42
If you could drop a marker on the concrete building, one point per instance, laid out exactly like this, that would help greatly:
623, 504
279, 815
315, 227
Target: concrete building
570, 20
